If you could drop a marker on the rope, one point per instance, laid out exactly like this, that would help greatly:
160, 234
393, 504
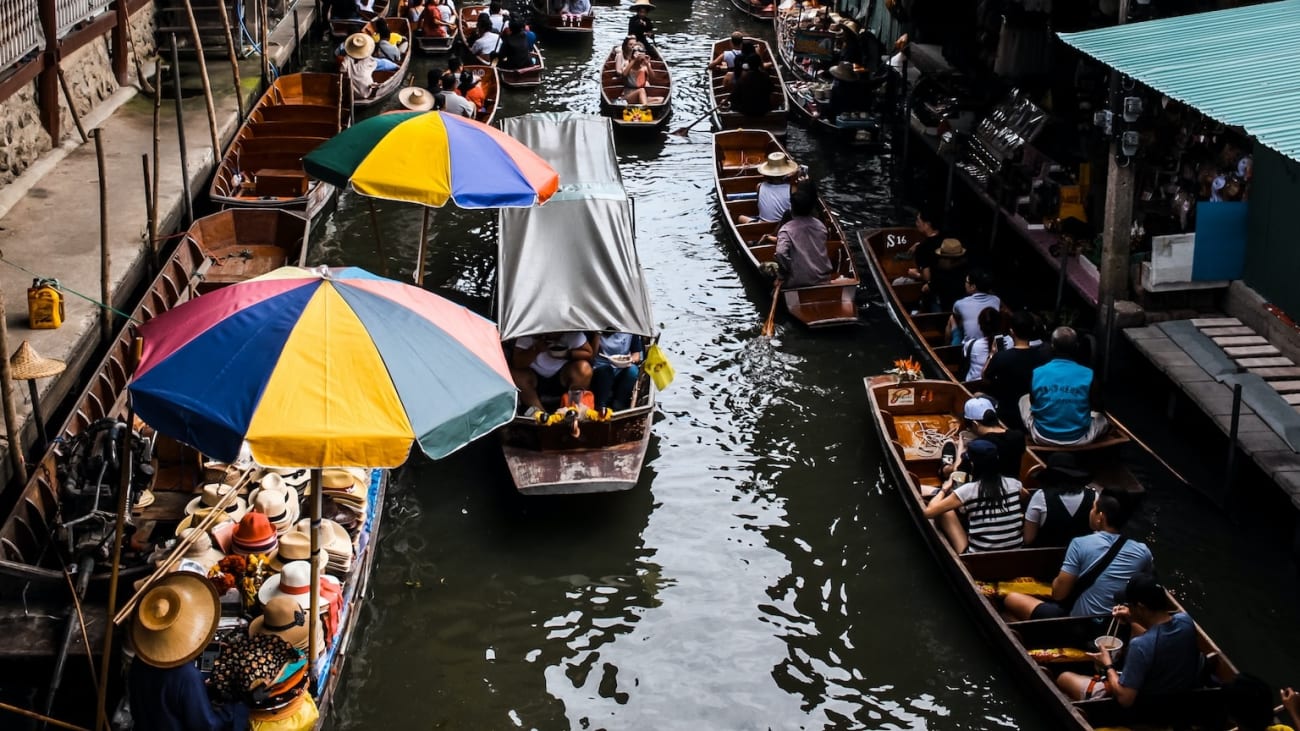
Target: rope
55, 283
931, 439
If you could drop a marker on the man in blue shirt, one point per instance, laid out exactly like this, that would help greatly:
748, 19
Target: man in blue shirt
1062, 407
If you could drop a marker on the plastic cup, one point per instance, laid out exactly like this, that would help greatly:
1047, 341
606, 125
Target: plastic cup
958, 477
1109, 643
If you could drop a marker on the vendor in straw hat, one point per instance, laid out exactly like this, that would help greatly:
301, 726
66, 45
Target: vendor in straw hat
774, 192
175, 621
360, 64
640, 25
415, 99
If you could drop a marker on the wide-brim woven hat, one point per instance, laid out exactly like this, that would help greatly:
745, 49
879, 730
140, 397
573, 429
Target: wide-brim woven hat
193, 519
255, 534
844, 71
27, 364
415, 99
641, 4
294, 581
778, 165
283, 618
359, 45
281, 508
175, 620
201, 551
334, 538
212, 494
296, 546
951, 247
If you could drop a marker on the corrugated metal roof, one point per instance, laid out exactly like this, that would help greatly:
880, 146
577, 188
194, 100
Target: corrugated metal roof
1239, 66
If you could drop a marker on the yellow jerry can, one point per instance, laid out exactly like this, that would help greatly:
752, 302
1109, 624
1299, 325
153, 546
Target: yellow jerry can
45, 305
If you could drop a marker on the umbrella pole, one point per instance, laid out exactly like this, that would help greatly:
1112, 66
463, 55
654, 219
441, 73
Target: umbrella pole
306, 234
424, 239
379, 238
313, 618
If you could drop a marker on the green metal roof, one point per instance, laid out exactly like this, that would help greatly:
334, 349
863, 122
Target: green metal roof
1239, 66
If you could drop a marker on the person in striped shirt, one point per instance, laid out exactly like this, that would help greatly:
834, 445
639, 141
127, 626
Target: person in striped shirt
991, 501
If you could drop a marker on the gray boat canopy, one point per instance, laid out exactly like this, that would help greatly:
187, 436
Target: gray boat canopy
571, 264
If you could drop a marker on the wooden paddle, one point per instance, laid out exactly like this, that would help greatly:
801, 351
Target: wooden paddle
769, 327
683, 131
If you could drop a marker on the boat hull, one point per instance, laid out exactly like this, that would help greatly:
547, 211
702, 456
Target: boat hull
605, 457
725, 119
613, 106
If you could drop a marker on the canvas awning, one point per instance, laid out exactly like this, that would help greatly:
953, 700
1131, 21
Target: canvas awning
571, 264
1238, 66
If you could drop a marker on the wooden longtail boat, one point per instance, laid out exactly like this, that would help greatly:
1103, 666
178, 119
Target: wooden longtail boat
262, 168
719, 95
864, 128
523, 78
243, 243
736, 157
388, 82
555, 24
490, 80
888, 255
639, 116
760, 9
800, 44
594, 233
1037, 649
341, 29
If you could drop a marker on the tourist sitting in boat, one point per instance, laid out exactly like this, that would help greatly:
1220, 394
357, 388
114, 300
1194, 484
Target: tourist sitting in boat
360, 64
752, 92
639, 24
389, 45
774, 192
449, 101
948, 275
571, 11
412, 12
498, 15
991, 501
1058, 510
486, 41
1062, 407
977, 352
438, 19
468, 85
1096, 566
1009, 373
1163, 655
626, 51
801, 244
963, 324
636, 77
547, 366
514, 52
173, 623
982, 423
729, 58
923, 252
615, 372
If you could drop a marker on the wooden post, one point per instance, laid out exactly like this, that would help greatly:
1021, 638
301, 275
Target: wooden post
148, 204
306, 236
105, 261
264, 35
313, 617
234, 56
180, 134
47, 84
157, 170
121, 42
11, 412
207, 83
1117, 229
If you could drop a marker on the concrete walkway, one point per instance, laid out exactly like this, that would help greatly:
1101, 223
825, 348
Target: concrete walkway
49, 217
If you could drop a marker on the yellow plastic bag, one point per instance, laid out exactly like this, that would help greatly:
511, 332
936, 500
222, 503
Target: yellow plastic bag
657, 365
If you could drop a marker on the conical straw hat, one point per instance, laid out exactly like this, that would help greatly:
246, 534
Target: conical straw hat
27, 364
176, 619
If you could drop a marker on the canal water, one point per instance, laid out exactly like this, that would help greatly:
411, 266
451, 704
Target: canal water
762, 575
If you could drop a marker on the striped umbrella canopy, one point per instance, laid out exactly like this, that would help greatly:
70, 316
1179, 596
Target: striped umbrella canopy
430, 157
322, 368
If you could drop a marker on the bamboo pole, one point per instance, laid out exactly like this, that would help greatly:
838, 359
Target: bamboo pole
67, 96
207, 84
40, 717
149, 211
105, 260
234, 56
306, 236
157, 171
11, 412
313, 619
424, 240
264, 34
180, 133
123, 505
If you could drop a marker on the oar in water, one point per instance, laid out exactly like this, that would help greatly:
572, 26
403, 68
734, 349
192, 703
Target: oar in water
769, 327
683, 131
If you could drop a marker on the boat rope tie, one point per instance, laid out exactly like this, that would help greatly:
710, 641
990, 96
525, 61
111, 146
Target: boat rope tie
63, 288
932, 440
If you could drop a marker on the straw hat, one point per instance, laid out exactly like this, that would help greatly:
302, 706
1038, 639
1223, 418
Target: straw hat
201, 550
255, 534
294, 581
415, 99
193, 519
278, 477
212, 494
844, 71
642, 4
296, 546
278, 508
359, 45
334, 538
951, 247
175, 620
284, 618
778, 165
28, 365
340, 478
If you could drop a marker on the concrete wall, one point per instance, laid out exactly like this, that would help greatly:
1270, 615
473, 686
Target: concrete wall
89, 73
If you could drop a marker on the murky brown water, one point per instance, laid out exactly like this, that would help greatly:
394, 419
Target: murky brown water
762, 574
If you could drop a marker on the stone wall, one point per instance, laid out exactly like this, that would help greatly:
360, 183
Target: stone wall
89, 72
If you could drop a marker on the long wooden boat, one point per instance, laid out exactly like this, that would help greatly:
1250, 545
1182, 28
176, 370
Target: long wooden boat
736, 157
388, 81
490, 79
724, 117
427, 44
801, 44
640, 116
1037, 649
242, 243
555, 24
524, 78
595, 235
760, 9
262, 168
342, 28
810, 101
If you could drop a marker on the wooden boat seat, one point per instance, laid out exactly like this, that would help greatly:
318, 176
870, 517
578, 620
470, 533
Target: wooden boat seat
296, 113
745, 207
1112, 438
1204, 707
756, 230
281, 183
743, 159
319, 130
1040, 563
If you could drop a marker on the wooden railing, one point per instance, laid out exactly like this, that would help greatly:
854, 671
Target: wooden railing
21, 20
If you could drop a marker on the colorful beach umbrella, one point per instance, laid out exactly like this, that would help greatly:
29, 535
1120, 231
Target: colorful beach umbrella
430, 157
322, 368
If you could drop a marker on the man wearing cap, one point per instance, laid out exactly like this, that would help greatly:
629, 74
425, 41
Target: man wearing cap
1163, 655
1096, 566
1062, 407
774, 191
801, 244
982, 421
